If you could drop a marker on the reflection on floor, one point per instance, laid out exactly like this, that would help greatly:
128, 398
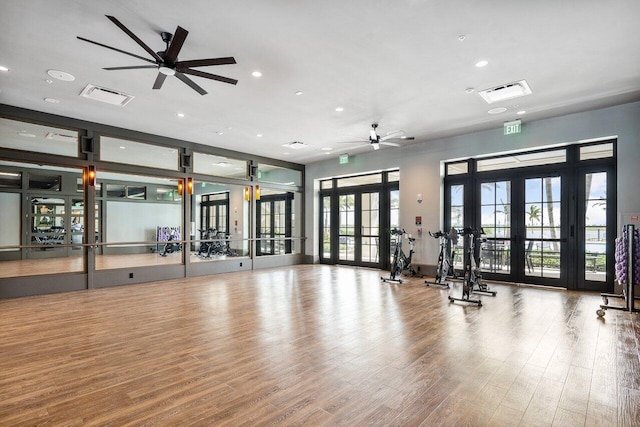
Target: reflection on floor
36, 267
316, 345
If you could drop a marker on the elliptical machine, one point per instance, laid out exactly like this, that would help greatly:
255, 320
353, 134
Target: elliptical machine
401, 261
447, 254
472, 282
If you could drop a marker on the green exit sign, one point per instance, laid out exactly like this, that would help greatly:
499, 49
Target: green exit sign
512, 127
344, 159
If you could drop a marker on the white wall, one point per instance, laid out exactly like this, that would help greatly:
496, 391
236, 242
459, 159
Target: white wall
9, 219
137, 221
421, 166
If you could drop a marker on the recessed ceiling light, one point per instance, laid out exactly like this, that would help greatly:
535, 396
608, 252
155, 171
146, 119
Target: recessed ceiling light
52, 100
122, 147
181, 115
482, 63
61, 75
461, 37
48, 81
259, 135
521, 112
328, 152
497, 110
256, 74
285, 154
26, 134
339, 109
469, 90
326, 148
3, 68
220, 132
299, 93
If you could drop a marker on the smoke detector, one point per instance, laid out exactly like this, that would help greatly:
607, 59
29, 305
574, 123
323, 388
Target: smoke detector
506, 91
109, 96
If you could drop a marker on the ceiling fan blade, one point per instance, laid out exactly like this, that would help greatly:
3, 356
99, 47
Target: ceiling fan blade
373, 135
362, 141
117, 50
392, 134
206, 75
176, 44
190, 83
132, 67
401, 138
393, 144
135, 38
159, 81
206, 62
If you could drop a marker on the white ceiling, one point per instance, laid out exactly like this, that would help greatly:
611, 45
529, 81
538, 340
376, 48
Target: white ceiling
397, 63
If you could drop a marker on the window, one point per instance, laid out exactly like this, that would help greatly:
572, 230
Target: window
137, 153
596, 151
44, 182
25, 136
279, 175
209, 164
522, 160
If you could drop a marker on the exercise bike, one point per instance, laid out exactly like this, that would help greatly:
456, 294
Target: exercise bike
445, 269
472, 282
401, 261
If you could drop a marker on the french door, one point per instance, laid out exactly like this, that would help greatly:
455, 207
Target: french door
359, 228
523, 222
356, 216
550, 224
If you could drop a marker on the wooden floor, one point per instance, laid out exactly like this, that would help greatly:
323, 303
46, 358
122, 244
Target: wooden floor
315, 345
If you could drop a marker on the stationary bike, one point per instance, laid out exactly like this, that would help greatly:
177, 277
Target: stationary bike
472, 282
445, 269
401, 261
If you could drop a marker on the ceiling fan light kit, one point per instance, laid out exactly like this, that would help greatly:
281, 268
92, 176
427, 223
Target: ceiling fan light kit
167, 61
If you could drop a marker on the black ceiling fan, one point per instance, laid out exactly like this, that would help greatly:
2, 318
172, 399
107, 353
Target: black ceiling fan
375, 140
167, 61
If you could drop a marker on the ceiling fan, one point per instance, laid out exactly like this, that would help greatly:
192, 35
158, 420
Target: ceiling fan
375, 140
167, 61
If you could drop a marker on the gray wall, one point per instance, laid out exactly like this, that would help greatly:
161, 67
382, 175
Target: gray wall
421, 166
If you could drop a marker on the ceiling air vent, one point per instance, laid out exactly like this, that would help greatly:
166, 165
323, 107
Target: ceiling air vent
295, 145
508, 91
61, 137
109, 96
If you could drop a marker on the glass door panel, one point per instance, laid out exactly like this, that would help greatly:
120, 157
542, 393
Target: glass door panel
456, 219
347, 227
595, 229
326, 227
370, 220
495, 211
542, 216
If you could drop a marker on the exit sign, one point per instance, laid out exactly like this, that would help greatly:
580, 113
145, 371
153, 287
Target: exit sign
512, 127
344, 159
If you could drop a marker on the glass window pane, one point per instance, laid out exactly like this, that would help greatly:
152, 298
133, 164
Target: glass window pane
393, 176
598, 151
522, 160
533, 190
596, 186
596, 213
326, 184
457, 195
487, 193
10, 180
457, 168
279, 175
44, 182
551, 189
210, 164
41, 139
360, 180
138, 153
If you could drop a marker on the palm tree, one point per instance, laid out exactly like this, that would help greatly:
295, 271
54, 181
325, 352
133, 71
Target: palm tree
534, 213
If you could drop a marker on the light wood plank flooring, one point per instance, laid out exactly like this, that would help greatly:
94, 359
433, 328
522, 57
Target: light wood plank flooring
315, 345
